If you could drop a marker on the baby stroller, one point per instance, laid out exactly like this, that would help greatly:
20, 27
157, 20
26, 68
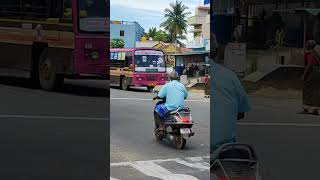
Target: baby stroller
234, 162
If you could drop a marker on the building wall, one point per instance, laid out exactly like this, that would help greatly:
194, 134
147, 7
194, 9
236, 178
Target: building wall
292, 22
206, 28
221, 7
202, 18
132, 33
190, 59
204, 21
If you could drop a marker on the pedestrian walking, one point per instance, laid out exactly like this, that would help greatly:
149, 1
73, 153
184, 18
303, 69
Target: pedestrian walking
184, 72
311, 79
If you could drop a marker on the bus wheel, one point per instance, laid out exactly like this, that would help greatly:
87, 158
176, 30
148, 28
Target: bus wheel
48, 79
150, 89
124, 83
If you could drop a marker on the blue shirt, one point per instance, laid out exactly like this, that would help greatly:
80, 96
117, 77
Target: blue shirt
175, 94
228, 97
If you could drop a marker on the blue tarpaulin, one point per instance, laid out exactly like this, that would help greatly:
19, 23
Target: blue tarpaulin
179, 70
206, 2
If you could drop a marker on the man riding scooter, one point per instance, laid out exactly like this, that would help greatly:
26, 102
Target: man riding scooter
175, 93
228, 104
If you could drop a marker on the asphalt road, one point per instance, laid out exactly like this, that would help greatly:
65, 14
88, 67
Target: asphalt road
53, 135
62, 135
287, 143
135, 153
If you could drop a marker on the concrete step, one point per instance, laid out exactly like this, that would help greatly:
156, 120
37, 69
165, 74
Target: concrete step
266, 70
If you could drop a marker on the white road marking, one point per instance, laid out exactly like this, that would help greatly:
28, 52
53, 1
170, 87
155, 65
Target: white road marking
141, 99
54, 117
280, 124
152, 169
111, 178
197, 165
195, 159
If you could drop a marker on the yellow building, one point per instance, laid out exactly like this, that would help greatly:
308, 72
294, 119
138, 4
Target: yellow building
170, 51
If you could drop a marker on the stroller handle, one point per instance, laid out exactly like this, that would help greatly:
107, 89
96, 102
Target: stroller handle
217, 152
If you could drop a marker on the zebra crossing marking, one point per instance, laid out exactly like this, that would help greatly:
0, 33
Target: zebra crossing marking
151, 169
111, 178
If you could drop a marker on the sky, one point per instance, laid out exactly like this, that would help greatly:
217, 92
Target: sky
148, 13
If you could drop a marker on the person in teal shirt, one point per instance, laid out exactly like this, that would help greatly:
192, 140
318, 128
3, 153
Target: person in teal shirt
175, 93
228, 104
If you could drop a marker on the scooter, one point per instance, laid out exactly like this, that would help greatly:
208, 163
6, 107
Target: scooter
177, 126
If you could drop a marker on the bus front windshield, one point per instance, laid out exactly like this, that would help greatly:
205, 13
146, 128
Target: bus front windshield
149, 61
93, 15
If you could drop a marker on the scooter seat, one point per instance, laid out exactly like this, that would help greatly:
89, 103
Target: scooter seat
184, 109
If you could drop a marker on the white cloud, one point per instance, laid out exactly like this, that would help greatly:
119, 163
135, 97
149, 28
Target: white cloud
149, 13
155, 5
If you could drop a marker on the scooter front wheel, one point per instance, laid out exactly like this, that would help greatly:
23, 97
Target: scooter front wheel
180, 142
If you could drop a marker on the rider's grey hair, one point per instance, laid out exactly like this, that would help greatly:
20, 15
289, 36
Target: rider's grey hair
173, 76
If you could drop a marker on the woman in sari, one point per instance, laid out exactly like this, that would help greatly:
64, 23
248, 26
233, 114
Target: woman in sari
311, 80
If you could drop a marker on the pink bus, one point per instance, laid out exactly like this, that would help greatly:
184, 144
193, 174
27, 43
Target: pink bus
140, 67
51, 40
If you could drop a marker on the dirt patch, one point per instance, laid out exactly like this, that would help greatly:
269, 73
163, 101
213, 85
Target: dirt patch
274, 89
198, 86
280, 85
251, 87
196, 91
269, 92
283, 85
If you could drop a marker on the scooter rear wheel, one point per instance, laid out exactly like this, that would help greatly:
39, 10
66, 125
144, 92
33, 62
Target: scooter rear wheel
180, 142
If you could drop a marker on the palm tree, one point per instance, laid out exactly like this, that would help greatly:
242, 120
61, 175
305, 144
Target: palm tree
152, 32
176, 23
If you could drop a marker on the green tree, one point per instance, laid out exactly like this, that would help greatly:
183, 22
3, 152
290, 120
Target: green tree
176, 20
278, 43
117, 43
146, 35
161, 36
152, 32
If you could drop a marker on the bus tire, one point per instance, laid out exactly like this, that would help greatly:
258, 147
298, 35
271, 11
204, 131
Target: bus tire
49, 80
124, 85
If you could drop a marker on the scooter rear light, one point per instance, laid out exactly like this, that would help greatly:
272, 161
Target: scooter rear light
185, 119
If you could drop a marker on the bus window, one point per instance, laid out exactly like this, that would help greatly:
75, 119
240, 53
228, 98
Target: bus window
67, 10
34, 9
120, 59
10, 9
93, 16
114, 56
111, 56
129, 59
121, 56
